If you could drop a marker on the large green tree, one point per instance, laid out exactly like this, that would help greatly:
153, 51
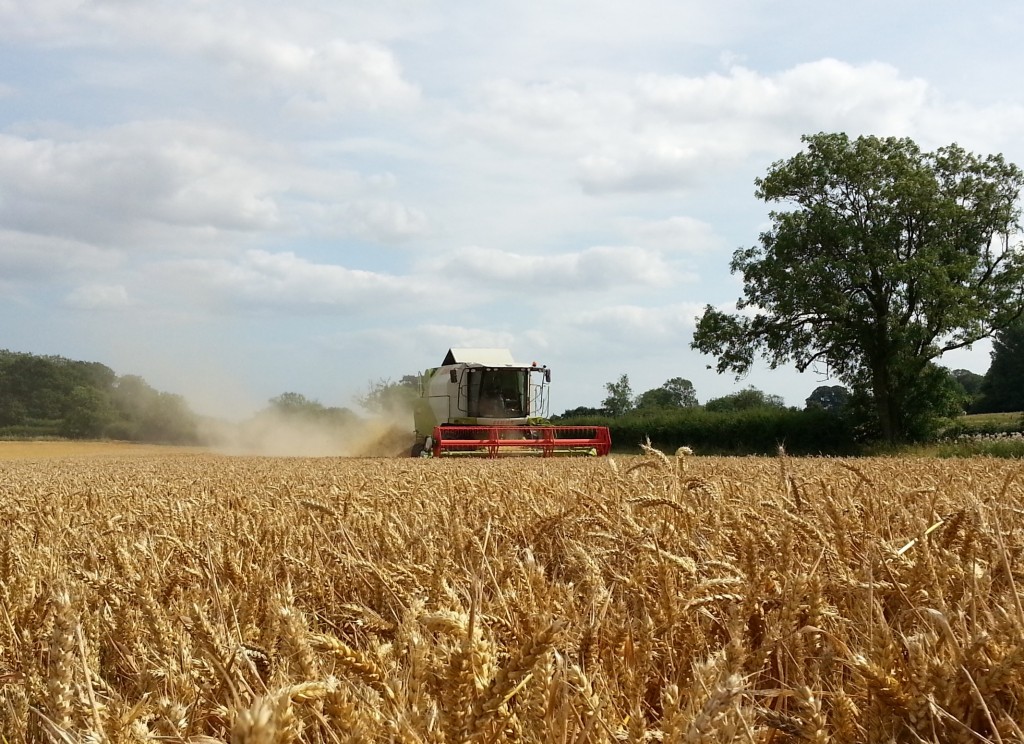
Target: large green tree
744, 400
675, 393
970, 387
886, 258
681, 391
620, 396
831, 398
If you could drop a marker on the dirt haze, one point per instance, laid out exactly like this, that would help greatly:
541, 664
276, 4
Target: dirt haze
275, 435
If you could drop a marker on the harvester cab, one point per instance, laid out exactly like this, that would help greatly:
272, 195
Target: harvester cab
482, 403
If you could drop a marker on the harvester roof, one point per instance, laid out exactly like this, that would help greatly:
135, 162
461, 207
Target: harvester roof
485, 357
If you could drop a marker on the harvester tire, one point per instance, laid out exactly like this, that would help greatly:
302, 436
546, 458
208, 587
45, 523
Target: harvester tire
417, 450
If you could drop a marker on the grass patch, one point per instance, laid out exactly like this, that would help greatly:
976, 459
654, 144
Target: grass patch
1010, 447
982, 426
1011, 421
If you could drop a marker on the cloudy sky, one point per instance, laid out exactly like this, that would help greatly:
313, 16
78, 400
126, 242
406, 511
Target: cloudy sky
238, 198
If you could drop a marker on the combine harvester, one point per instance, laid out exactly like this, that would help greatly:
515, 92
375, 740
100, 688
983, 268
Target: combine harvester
481, 403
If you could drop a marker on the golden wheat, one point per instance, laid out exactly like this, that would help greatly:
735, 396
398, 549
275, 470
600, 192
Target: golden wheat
199, 598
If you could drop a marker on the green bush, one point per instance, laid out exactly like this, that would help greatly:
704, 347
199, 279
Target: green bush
32, 430
751, 431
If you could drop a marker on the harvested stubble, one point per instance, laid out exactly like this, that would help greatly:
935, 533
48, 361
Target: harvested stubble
204, 599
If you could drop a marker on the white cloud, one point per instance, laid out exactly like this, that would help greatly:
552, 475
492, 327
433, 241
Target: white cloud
671, 132
31, 257
558, 117
625, 325
656, 166
442, 337
822, 94
262, 279
98, 297
317, 78
99, 185
593, 269
291, 52
382, 221
681, 234
586, 23
686, 129
389, 351
187, 188
992, 128
37, 19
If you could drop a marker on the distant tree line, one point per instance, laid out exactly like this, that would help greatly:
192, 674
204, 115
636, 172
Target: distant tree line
676, 394
54, 396
297, 407
51, 396
391, 398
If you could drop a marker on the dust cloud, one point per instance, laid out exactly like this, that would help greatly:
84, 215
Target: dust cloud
274, 434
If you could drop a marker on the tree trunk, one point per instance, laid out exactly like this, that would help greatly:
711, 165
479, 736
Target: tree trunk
887, 406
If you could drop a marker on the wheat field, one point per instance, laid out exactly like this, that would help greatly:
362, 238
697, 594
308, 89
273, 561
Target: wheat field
203, 598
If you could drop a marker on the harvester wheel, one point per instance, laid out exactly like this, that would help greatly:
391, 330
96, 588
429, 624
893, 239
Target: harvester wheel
417, 450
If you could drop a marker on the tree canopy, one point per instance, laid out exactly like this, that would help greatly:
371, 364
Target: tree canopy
296, 407
887, 258
832, 398
581, 412
745, 400
970, 386
385, 396
674, 393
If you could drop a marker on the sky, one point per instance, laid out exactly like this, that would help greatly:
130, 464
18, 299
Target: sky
240, 198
